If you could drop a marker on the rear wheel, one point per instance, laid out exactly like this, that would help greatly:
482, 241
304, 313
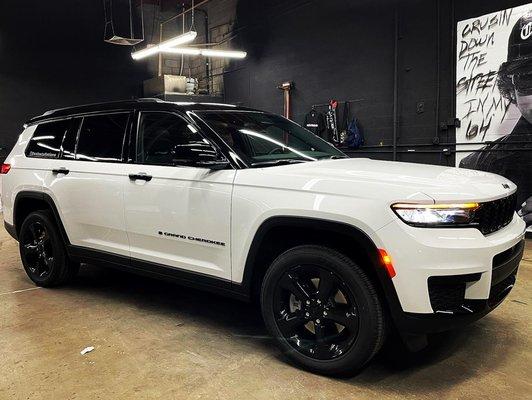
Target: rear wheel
323, 310
43, 252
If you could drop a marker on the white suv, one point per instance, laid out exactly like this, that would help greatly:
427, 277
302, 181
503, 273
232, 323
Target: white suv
238, 201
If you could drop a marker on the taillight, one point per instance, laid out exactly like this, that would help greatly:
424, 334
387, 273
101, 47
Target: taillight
5, 169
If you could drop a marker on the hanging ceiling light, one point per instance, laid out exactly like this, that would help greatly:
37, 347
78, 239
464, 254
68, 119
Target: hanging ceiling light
224, 53
205, 52
183, 50
164, 46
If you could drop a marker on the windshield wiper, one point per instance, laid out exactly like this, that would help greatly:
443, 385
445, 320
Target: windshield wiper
283, 161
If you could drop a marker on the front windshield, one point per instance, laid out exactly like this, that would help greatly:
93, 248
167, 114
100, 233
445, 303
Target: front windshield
263, 139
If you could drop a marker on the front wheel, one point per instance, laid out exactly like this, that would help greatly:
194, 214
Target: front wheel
43, 252
323, 310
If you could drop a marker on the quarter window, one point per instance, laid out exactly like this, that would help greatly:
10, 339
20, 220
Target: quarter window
168, 140
101, 137
47, 139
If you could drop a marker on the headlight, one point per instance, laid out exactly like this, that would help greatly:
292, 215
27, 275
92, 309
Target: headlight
436, 215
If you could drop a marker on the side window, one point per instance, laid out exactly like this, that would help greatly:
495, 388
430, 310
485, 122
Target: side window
168, 140
101, 137
47, 139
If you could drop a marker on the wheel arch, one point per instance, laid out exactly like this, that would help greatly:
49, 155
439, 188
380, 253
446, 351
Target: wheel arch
29, 201
277, 234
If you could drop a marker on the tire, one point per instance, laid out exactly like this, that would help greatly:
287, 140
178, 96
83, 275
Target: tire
323, 310
43, 252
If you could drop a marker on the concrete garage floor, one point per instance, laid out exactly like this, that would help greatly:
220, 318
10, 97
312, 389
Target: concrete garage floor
154, 339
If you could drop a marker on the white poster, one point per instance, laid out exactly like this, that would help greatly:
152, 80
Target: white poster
494, 95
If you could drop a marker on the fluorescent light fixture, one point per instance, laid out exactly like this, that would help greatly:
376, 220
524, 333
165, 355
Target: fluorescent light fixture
223, 53
205, 52
163, 46
183, 50
148, 51
178, 40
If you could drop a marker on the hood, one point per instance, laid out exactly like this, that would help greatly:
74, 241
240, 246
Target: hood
388, 180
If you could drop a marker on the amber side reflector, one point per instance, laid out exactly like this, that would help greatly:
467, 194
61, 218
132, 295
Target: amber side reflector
387, 262
5, 169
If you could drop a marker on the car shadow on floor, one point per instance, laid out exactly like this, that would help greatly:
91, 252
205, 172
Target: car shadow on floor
170, 299
451, 357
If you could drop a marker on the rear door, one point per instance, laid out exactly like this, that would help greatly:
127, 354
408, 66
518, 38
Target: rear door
87, 182
178, 213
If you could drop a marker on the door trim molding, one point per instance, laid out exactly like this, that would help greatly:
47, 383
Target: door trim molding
187, 278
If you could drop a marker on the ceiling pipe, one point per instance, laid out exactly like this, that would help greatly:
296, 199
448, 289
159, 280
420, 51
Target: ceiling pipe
207, 40
184, 12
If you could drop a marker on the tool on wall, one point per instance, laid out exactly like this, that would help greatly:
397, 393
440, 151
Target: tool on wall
286, 87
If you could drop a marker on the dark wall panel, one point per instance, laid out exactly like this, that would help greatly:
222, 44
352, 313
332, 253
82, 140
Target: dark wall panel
345, 50
329, 51
53, 55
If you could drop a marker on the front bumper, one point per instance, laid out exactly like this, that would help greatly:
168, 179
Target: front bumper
466, 311
449, 277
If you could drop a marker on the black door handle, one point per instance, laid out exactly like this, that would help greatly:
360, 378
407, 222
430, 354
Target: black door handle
141, 176
63, 171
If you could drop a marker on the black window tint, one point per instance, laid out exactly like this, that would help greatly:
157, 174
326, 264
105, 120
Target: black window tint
166, 139
68, 148
47, 139
101, 137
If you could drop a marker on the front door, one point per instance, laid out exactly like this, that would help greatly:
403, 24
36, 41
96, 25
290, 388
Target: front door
177, 213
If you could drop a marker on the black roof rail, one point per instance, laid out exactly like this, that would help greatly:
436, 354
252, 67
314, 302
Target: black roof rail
150, 102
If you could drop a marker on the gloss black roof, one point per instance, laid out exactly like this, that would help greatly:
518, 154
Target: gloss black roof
137, 104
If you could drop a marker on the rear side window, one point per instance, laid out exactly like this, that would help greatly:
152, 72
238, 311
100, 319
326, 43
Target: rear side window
101, 137
47, 139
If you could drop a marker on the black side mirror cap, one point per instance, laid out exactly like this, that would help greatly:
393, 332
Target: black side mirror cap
213, 165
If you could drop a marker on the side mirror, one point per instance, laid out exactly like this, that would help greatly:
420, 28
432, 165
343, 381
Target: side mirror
213, 165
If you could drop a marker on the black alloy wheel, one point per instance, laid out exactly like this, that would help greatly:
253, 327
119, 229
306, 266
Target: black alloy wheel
323, 310
316, 312
37, 250
42, 251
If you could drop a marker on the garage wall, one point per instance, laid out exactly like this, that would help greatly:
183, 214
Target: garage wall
346, 50
53, 55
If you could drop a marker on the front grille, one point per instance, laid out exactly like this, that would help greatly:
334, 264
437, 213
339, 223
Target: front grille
494, 215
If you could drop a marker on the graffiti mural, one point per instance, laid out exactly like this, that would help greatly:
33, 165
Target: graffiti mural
494, 97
